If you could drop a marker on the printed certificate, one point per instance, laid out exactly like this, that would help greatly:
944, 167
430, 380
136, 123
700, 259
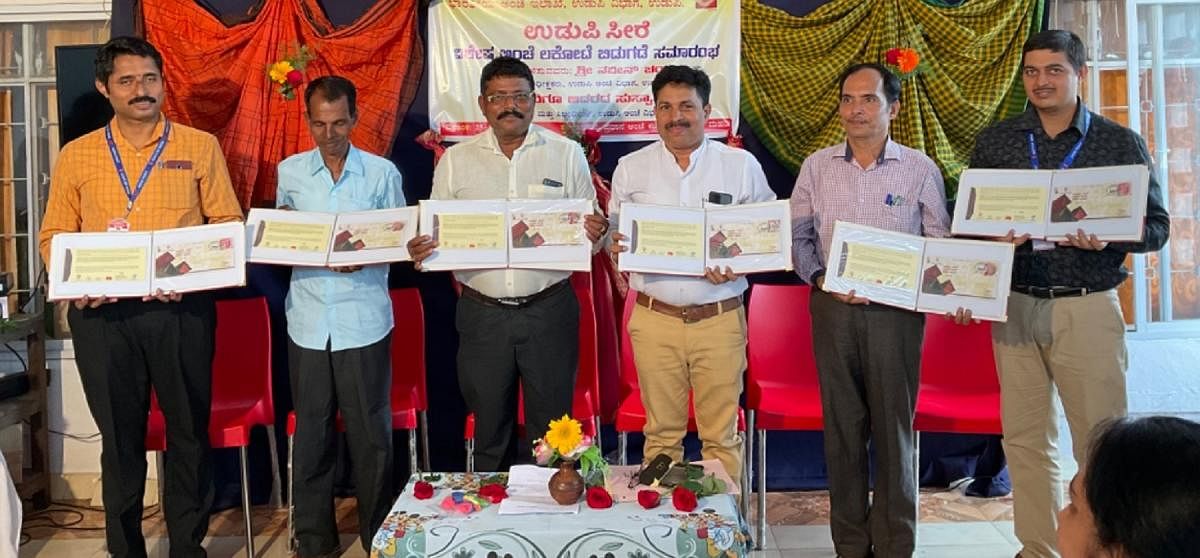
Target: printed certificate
372, 237
549, 234
663, 239
937, 275
471, 234
1109, 202
286, 237
749, 238
137, 264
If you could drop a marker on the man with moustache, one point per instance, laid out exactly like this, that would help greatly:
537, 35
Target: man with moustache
867, 355
1065, 333
142, 172
339, 328
513, 323
688, 333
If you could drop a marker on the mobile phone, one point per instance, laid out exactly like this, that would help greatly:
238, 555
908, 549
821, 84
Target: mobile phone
655, 469
720, 198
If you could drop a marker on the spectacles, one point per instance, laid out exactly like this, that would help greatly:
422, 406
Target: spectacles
516, 98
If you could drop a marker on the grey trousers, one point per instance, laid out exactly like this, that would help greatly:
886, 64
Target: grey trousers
868, 364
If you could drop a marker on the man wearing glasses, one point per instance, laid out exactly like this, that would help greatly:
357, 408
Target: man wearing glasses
513, 324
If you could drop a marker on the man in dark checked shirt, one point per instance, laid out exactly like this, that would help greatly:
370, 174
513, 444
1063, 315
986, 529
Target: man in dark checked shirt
1065, 330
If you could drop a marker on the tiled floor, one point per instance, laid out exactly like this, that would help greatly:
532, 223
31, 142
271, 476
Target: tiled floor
952, 525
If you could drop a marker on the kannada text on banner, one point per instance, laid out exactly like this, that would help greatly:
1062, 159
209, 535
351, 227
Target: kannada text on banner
593, 60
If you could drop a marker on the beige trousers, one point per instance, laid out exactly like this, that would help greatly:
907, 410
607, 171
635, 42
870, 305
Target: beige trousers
1074, 347
708, 358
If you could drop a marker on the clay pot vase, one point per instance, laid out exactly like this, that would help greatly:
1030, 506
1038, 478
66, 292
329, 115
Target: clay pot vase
566, 486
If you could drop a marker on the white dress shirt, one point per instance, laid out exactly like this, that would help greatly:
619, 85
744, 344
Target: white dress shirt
651, 175
545, 166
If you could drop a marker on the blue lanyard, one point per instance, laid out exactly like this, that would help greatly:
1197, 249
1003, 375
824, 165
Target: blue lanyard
1074, 152
132, 194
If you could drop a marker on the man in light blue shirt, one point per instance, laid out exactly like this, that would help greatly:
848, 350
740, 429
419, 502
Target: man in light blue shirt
339, 328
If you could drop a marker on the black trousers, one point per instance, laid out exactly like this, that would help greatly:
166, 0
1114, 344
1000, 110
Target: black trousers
868, 364
123, 348
357, 382
538, 344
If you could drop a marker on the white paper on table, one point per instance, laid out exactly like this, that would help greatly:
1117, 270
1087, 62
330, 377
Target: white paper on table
64, 249
687, 256
199, 258
965, 221
549, 234
1131, 180
257, 252
749, 238
473, 257
971, 274
372, 237
898, 288
528, 493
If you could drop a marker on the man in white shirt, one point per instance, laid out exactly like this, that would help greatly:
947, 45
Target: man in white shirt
10, 511
688, 333
513, 324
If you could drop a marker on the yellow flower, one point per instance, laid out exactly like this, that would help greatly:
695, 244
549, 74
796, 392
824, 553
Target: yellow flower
564, 434
279, 71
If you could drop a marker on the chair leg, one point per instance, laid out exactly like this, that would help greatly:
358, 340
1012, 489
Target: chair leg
917, 479
276, 480
291, 503
622, 445
162, 475
747, 461
423, 424
242, 458
470, 455
596, 426
413, 468
762, 490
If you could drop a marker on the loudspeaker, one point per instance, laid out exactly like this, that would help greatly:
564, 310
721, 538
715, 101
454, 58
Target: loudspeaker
81, 108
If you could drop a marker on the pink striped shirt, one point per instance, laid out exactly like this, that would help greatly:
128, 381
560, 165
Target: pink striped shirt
902, 190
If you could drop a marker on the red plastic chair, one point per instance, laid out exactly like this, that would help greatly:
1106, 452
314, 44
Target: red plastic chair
241, 394
409, 402
782, 392
631, 414
959, 390
586, 405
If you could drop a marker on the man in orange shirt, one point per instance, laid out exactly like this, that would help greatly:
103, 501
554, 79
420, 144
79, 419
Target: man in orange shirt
143, 173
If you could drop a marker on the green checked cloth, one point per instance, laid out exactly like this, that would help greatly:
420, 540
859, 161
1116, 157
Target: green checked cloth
968, 77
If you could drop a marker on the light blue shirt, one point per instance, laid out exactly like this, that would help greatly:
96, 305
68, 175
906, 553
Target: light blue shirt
345, 310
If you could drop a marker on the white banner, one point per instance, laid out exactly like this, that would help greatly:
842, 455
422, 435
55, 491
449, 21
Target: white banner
593, 60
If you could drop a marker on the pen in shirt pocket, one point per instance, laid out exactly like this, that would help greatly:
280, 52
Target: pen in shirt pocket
893, 200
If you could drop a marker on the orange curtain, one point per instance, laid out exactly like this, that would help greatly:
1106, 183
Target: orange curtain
217, 80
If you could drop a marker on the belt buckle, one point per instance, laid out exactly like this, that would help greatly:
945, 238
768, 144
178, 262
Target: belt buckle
683, 312
509, 302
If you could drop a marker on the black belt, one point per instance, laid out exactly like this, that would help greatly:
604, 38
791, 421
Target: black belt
514, 301
1051, 292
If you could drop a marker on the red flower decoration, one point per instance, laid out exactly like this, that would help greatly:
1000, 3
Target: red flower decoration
493, 492
648, 499
598, 498
591, 135
295, 77
422, 490
683, 499
893, 56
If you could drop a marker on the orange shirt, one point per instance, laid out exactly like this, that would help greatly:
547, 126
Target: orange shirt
189, 186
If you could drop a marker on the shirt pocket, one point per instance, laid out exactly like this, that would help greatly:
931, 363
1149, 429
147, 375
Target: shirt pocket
355, 201
180, 189
541, 191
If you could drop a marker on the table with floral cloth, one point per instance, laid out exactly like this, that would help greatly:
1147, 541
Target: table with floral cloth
422, 528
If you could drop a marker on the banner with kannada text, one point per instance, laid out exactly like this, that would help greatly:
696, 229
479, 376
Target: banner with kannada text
593, 60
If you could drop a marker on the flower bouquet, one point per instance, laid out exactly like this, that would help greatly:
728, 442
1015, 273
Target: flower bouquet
288, 72
565, 444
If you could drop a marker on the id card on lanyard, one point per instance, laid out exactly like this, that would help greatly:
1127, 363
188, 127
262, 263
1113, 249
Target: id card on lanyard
121, 224
1067, 161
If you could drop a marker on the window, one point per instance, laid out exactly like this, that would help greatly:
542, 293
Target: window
1158, 43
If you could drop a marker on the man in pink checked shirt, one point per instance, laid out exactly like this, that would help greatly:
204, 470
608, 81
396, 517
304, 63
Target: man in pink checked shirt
868, 355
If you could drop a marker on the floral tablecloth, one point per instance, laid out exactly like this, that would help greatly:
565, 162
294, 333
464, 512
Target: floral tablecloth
422, 528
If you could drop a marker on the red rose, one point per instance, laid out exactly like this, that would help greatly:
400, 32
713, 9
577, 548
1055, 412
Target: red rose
598, 498
893, 56
493, 492
295, 77
422, 490
591, 135
648, 498
683, 499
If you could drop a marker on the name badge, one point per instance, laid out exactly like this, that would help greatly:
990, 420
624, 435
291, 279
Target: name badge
176, 165
118, 225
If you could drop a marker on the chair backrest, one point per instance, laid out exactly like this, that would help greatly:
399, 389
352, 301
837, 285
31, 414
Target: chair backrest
408, 350
241, 375
588, 374
629, 377
779, 339
958, 358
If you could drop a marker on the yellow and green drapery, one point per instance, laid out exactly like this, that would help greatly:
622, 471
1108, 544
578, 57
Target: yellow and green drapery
971, 56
